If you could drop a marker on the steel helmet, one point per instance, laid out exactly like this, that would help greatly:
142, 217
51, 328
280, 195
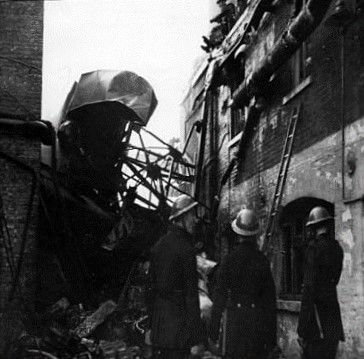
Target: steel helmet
317, 215
246, 223
182, 205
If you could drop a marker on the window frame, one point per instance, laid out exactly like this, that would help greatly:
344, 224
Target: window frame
237, 122
300, 63
292, 258
237, 116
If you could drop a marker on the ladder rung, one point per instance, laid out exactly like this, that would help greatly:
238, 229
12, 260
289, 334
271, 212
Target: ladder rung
283, 170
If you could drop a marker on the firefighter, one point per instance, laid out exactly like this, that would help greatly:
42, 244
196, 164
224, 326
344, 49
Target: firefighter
245, 296
320, 327
175, 312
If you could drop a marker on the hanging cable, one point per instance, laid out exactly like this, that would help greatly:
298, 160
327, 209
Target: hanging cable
27, 220
20, 62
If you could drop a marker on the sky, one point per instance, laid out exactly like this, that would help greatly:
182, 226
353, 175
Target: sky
157, 39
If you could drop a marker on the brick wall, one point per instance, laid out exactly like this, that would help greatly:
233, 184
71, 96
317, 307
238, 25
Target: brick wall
315, 169
21, 34
16, 186
21, 41
320, 115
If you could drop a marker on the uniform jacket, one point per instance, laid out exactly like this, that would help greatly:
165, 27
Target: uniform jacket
175, 319
324, 258
245, 286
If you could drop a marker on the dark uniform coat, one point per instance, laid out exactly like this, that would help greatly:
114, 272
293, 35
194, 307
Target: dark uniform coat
175, 319
324, 259
245, 286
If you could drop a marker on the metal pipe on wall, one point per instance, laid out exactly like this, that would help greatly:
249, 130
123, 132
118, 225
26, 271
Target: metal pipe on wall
302, 26
201, 146
27, 128
342, 110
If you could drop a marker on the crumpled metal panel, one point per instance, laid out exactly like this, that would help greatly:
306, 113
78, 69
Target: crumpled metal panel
124, 87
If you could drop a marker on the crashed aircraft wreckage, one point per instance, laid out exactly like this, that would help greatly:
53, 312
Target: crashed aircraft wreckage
105, 197
108, 201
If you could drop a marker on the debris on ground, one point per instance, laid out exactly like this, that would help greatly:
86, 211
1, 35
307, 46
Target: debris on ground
95, 319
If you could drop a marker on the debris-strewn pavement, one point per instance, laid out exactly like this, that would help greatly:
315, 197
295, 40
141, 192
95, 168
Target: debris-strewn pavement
115, 329
70, 332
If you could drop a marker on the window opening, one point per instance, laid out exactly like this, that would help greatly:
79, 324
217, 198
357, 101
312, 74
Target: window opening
237, 122
237, 115
301, 62
294, 243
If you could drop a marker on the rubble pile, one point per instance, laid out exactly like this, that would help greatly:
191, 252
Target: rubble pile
113, 330
69, 332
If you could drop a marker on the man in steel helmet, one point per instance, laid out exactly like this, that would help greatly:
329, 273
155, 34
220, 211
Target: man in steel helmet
245, 288
320, 328
175, 319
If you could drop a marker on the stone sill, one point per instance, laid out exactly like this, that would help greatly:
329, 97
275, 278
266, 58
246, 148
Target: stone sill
293, 306
235, 140
306, 82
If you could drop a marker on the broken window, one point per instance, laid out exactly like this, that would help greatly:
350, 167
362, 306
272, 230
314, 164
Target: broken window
237, 68
294, 241
237, 122
301, 62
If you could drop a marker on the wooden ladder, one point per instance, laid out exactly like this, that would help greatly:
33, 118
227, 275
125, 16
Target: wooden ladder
282, 176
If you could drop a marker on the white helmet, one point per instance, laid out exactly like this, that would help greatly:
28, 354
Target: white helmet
246, 223
182, 205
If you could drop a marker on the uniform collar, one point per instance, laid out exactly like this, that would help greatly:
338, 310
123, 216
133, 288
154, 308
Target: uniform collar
174, 228
249, 244
182, 232
323, 236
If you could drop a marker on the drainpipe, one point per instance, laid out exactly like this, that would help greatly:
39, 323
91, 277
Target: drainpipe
343, 122
302, 26
342, 18
201, 146
27, 128
343, 125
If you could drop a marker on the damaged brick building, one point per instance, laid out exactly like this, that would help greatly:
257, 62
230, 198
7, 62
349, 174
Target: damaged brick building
21, 34
285, 61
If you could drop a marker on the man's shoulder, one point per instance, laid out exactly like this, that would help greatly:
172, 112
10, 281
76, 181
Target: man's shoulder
328, 242
162, 241
175, 241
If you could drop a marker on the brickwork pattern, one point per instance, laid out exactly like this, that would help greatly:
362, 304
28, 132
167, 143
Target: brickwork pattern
21, 42
21, 34
16, 192
315, 169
